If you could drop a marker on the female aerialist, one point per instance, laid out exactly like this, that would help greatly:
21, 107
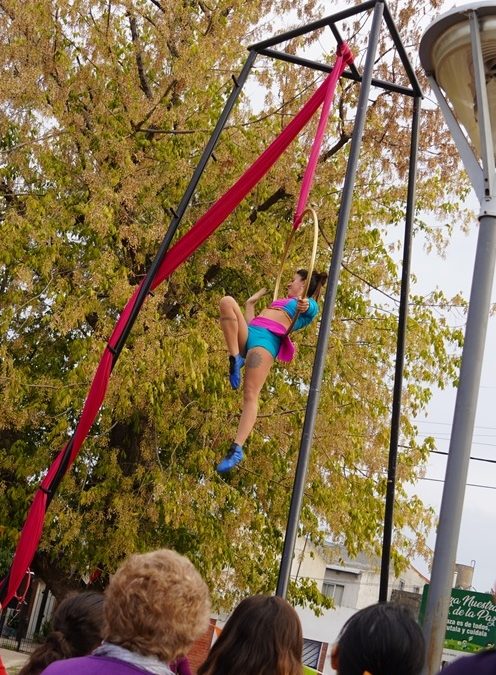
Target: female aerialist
257, 341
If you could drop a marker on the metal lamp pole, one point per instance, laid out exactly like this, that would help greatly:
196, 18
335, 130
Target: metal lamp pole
454, 42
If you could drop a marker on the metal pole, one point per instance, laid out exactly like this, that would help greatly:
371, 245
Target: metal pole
438, 600
470, 162
352, 74
314, 25
328, 310
402, 53
400, 356
483, 114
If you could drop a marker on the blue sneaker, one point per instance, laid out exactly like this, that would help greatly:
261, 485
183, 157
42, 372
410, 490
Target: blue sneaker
232, 459
235, 365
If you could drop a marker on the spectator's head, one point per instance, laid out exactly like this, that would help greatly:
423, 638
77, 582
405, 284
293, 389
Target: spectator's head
156, 604
76, 629
382, 639
262, 637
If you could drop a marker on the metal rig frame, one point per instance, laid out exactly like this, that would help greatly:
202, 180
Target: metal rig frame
381, 14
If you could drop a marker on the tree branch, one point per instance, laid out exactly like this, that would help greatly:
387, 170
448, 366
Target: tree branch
137, 127
139, 57
270, 201
157, 4
344, 138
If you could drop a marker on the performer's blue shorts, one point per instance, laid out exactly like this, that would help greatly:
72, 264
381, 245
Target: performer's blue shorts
261, 337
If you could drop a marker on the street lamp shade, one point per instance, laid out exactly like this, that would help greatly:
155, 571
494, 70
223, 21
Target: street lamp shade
446, 55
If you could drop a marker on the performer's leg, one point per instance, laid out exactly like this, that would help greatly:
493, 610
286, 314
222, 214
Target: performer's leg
235, 332
233, 325
258, 364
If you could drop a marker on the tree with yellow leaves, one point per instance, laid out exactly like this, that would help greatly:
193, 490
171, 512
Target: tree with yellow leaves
104, 109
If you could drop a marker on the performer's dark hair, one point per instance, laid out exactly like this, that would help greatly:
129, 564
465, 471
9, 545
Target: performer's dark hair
317, 282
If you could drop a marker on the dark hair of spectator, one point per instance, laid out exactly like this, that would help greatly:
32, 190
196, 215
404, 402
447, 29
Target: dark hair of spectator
262, 637
75, 631
382, 639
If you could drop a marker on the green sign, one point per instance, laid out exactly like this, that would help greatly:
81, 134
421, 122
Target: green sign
471, 620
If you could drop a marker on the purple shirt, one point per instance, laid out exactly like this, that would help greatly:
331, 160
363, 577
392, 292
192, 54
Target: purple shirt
92, 665
181, 666
479, 664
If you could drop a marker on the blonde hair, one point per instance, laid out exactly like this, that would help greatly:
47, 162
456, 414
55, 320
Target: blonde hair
156, 604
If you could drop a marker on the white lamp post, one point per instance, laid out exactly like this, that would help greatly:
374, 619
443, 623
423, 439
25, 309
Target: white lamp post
458, 53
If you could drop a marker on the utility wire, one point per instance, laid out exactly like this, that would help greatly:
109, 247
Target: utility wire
447, 438
477, 426
476, 459
477, 485
440, 452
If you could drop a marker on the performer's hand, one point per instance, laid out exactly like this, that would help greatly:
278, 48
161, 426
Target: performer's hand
302, 305
256, 296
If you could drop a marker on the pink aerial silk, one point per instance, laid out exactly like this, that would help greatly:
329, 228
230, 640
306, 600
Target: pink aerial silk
345, 56
185, 246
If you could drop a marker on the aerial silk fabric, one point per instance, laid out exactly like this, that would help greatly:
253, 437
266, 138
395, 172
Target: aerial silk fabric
344, 57
185, 246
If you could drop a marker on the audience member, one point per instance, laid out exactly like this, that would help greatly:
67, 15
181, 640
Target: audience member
262, 637
382, 639
76, 629
483, 663
156, 606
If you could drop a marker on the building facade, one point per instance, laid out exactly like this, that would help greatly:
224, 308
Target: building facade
352, 584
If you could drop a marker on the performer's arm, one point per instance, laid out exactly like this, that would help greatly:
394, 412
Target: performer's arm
251, 302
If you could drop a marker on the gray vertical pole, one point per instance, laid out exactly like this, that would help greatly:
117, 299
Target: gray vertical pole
328, 309
443, 566
400, 356
438, 600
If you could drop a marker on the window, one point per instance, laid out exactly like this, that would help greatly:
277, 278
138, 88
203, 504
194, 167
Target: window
311, 653
334, 591
416, 589
402, 585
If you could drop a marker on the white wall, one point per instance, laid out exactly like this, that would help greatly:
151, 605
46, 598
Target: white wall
307, 561
324, 628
